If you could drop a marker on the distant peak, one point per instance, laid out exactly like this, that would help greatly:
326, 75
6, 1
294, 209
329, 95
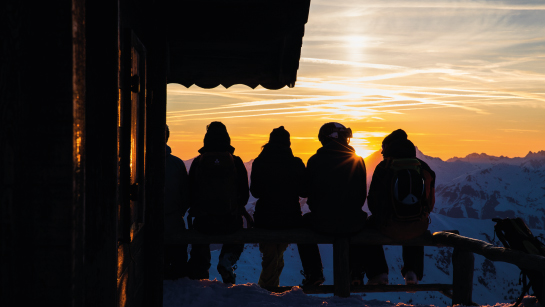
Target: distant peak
539, 154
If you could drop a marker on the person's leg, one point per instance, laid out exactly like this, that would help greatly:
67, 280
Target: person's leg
168, 259
281, 248
175, 261
230, 253
199, 262
374, 262
356, 259
413, 261
272, 264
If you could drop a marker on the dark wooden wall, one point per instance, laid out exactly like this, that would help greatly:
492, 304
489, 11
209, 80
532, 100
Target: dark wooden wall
35, 152
61, 175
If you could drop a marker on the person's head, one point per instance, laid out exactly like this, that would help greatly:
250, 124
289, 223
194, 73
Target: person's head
167, 133
397, 135
334, 132
280, 136
216, 137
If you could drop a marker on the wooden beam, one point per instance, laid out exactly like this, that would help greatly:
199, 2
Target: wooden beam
463, 263
300, 235
341, 267
255, 236
518, 258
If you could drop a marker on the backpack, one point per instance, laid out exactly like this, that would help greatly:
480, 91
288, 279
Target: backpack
515, 234
410, 197
216, 185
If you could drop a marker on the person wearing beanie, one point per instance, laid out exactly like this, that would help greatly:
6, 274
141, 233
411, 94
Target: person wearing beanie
277, 180
337, 190
176, 204
395, 146
219, 190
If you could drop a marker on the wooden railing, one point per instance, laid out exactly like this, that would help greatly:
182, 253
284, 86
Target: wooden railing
460, 291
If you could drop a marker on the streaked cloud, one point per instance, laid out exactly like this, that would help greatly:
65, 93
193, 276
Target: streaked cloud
436, 68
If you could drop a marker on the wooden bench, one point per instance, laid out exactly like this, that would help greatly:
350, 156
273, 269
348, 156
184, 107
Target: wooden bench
460, 291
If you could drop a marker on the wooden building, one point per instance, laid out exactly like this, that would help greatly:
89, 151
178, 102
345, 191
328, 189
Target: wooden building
82, 139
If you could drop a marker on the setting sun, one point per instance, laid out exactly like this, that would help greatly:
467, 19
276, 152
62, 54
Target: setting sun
377, 68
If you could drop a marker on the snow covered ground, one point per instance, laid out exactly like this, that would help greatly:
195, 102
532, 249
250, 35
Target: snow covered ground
206, 293
495, 283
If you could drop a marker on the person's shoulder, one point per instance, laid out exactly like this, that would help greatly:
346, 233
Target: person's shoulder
174, 158
298, 160
315, 157
426, 166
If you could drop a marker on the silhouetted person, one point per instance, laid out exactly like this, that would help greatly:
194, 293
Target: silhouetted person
176, 204
277, 179
336, 194
401, 196
219, 191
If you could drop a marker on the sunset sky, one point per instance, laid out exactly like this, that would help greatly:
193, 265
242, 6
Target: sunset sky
458, 76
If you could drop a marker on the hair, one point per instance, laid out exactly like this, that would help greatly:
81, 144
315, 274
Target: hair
167, 132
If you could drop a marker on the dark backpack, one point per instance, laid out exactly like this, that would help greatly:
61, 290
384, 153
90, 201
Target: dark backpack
515, 234
409, 198
407, 190
216, 185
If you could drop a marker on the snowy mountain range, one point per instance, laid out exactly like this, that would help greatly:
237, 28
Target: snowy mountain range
486, 187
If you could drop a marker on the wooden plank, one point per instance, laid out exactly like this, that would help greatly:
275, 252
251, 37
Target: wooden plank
295, 236
341, 268
326, 289
462, 266
489, 251
254, 236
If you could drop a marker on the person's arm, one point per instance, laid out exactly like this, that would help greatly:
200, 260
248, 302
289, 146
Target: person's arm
307, 182
373, 199
429, 172
301, 178
364, 176
242, 182
184, 186
192, 180
256, 181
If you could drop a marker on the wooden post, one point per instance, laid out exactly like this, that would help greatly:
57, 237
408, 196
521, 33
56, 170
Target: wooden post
341, 269
462, 266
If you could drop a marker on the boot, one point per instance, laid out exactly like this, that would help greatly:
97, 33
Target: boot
313, 279
226, 269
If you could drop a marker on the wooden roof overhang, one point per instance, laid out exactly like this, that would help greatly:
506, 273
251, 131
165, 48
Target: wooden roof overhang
227, 42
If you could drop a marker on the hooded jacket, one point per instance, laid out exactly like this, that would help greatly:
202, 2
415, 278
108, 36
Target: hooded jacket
277, 180
337, 189
217, 139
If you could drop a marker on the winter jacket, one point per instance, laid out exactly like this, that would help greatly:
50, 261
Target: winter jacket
277, 180
336, 189
242, 178
379, 191
176, 194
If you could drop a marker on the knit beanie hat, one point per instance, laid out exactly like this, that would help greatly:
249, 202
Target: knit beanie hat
399, 134
217, 138
280, 136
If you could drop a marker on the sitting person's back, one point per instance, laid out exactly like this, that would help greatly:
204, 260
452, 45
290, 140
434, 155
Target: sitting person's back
401, 197
337, 188
336, 194
277, 181
219, 191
